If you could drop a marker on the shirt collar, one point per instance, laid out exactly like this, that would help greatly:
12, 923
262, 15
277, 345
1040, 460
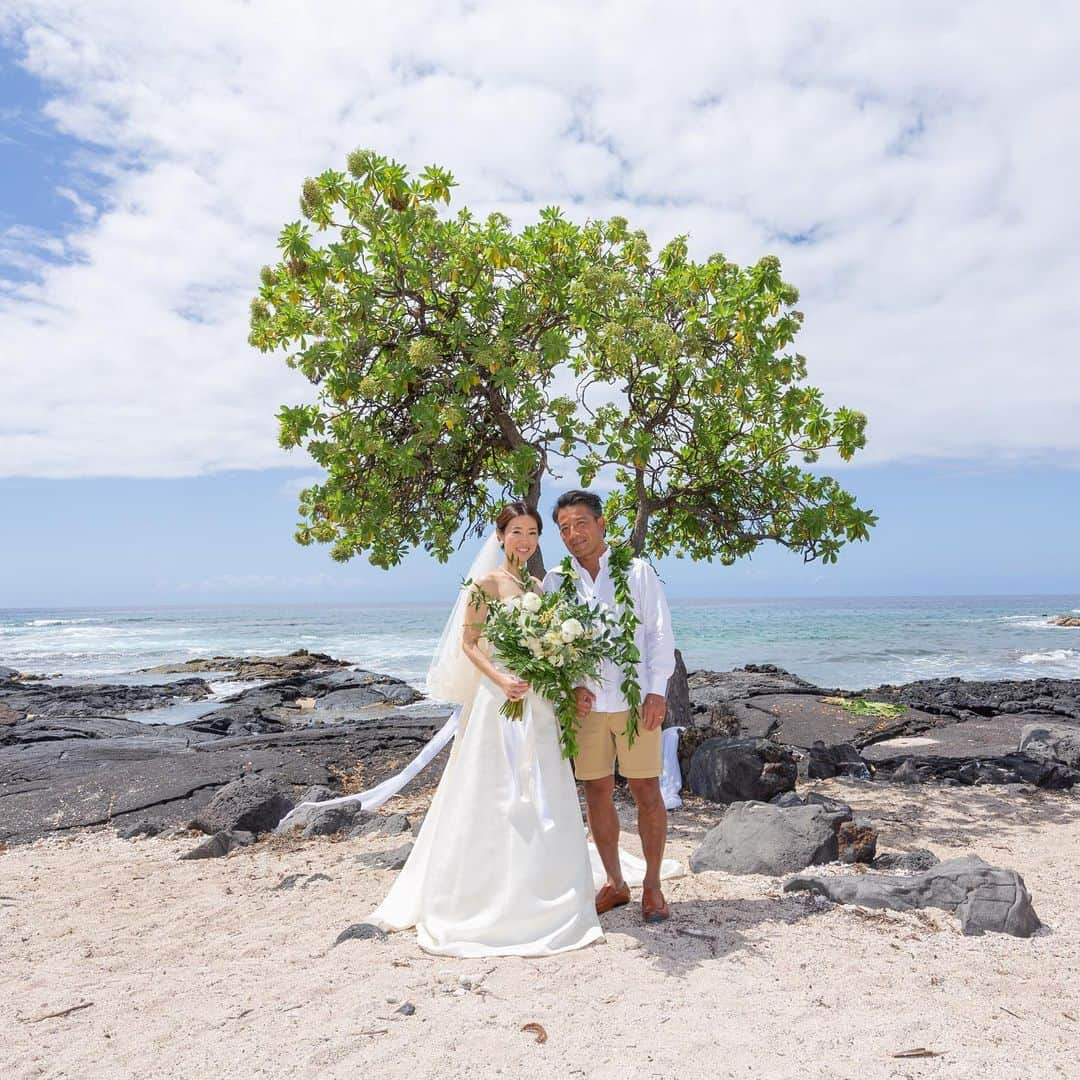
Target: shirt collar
602, 568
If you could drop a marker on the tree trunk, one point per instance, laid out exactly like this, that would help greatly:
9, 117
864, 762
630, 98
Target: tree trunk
532, 498
641, 519
536, 564
532, 493
640, 530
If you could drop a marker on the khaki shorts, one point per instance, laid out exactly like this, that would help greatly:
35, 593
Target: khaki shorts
602, 740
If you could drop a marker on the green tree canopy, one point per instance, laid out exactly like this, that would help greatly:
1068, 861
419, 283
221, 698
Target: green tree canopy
458, 362
711, 410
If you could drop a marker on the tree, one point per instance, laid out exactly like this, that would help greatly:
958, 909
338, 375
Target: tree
438, 346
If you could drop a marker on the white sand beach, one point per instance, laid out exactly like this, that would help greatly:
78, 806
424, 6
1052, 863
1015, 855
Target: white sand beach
158, 968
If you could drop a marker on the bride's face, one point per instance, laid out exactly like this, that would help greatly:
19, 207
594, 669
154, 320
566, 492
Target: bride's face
520, 538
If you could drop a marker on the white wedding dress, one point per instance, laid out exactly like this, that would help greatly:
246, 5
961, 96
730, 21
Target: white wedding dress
500, 866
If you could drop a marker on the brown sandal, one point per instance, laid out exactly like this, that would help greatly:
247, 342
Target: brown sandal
654, 913
609, 897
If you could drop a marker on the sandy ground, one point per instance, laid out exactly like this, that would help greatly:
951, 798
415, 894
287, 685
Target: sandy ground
199, 969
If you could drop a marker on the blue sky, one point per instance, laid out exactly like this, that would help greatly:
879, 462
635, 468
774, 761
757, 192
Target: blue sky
918, 193
34, 158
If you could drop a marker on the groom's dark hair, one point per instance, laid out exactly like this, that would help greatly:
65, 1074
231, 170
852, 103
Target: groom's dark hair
578, 498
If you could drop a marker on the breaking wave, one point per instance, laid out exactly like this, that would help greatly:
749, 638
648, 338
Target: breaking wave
58, 622
1050, 656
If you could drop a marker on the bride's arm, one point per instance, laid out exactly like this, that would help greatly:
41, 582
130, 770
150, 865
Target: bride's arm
513, 687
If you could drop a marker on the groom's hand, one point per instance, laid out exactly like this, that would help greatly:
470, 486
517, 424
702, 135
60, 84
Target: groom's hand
585, 700
653, 710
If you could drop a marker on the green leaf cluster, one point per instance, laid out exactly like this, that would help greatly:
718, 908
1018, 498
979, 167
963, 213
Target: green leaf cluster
626, 655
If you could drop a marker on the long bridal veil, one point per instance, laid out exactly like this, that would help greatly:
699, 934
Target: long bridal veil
451, 677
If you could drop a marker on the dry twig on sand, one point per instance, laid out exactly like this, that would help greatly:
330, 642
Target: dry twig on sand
62, 1012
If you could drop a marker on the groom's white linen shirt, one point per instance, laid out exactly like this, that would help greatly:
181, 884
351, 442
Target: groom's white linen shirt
654, 638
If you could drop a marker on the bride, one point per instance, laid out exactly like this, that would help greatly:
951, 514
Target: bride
501, 865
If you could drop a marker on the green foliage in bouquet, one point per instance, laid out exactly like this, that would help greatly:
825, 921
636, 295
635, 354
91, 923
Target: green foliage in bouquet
554, 642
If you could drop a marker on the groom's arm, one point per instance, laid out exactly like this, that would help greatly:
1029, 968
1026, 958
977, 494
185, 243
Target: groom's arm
658, 654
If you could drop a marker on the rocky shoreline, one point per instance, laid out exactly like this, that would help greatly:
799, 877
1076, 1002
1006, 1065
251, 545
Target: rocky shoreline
74, 755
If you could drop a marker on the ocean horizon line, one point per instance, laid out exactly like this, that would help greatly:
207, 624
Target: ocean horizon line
428, 604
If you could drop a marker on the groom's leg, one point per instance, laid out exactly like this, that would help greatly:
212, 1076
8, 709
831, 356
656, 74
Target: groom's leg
642, 764
604, 825
652, 825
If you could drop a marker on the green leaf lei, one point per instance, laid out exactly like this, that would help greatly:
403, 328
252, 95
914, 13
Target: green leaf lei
628, 655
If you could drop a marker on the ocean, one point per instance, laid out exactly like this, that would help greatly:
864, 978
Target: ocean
849, 643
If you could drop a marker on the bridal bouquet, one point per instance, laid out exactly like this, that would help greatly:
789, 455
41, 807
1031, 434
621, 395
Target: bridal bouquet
554, 643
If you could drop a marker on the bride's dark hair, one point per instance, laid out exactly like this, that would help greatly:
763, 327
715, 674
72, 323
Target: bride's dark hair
518, 509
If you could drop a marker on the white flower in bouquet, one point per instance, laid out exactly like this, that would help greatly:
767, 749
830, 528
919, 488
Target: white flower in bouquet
531, 602
571, 630
513, 603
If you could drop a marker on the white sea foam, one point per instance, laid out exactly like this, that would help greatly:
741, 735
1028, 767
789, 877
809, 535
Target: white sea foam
59, 622
1031, 622
932, 665
1051, 656
228, 687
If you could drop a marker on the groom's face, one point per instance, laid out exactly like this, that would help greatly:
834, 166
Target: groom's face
582, 533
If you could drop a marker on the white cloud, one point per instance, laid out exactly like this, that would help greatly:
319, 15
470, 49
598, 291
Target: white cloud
935, 182
85, 210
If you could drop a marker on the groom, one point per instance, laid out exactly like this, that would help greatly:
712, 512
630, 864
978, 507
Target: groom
603, 710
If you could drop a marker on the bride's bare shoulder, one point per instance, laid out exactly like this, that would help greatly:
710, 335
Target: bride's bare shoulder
488, 584
538, 585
